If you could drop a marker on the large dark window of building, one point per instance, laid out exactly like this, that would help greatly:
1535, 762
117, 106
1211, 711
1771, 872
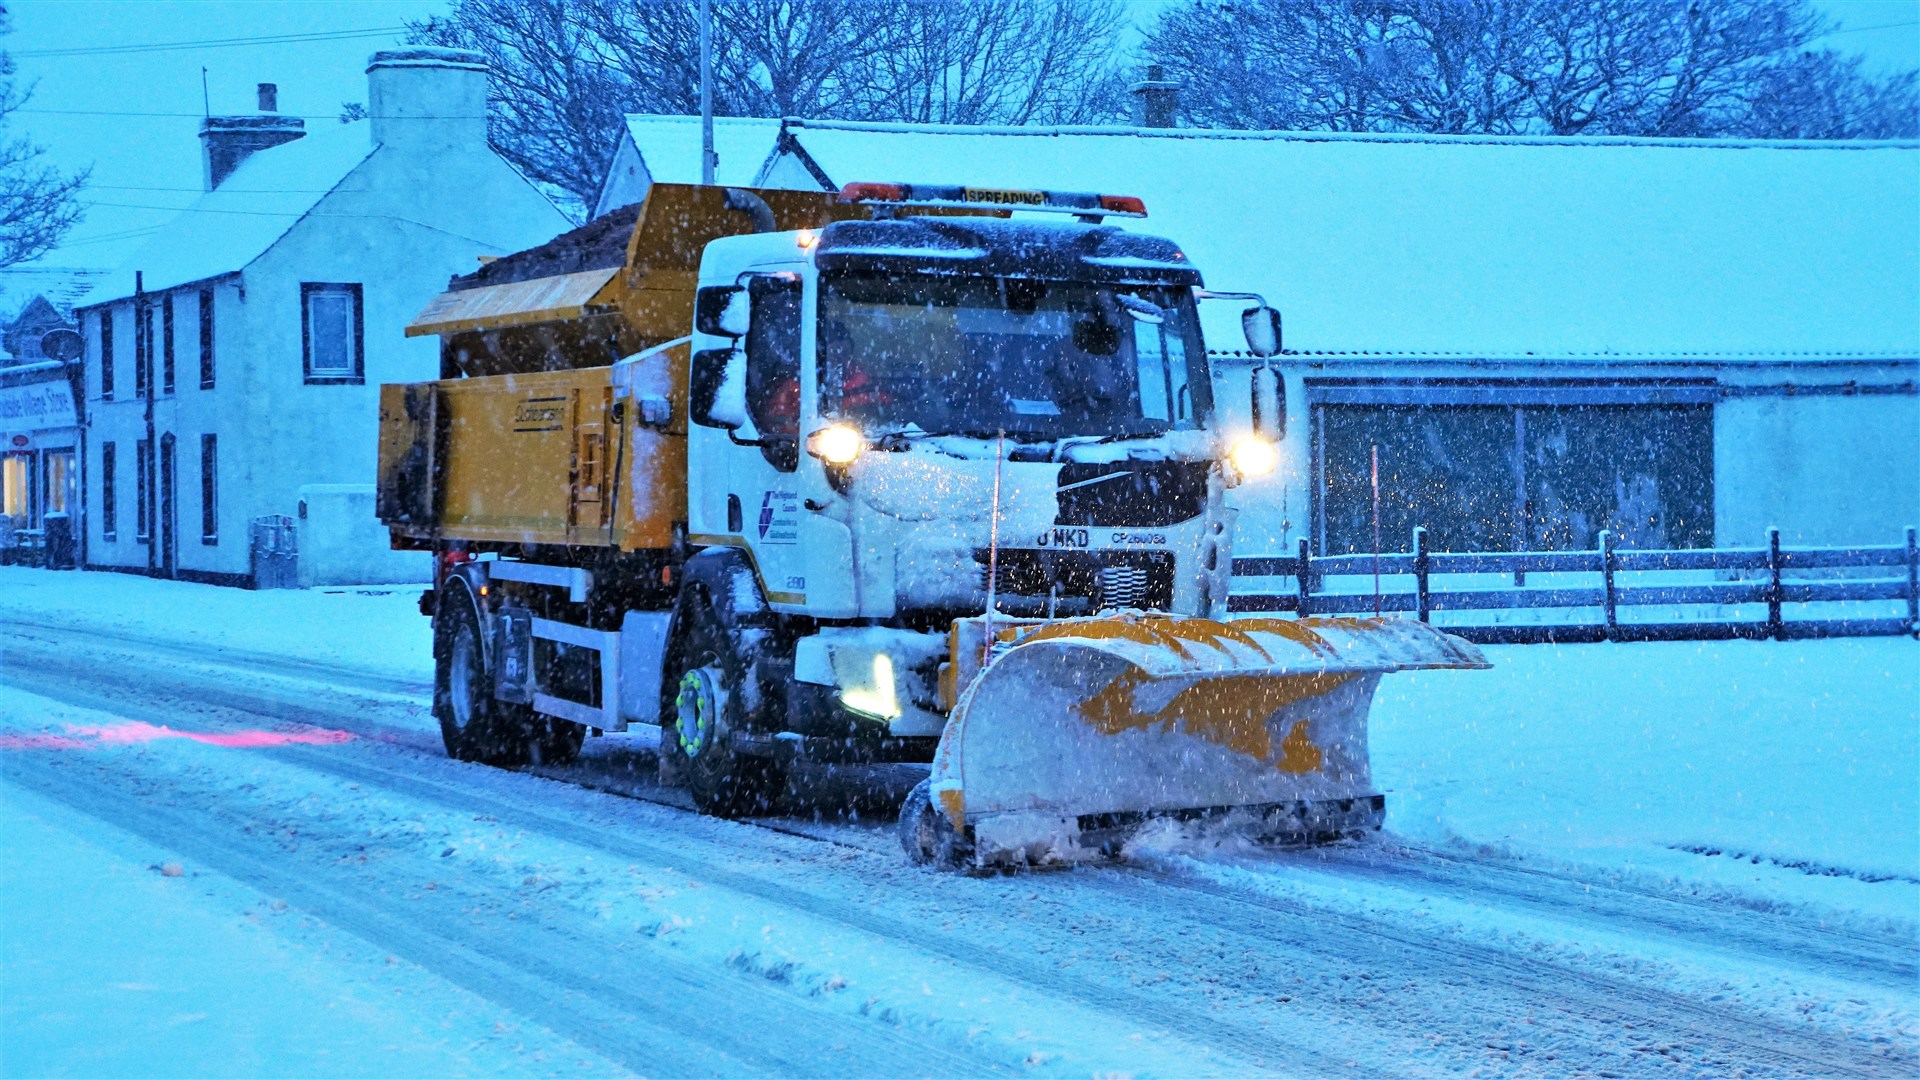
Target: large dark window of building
109, 505
142, 485
209, 482
105, 315
1508, 467
331, 333
206, 339
166, 344
142, 349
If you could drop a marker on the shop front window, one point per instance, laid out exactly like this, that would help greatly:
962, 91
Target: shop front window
60, 482
15, 492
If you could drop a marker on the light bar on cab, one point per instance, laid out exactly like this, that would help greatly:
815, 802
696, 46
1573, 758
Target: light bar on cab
1084, 204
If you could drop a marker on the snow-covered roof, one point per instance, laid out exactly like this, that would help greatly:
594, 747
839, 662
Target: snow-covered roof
62, 286
1479, 246
227, 228
670, 147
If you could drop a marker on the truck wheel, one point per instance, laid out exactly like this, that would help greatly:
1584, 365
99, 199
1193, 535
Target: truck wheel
706, 710
926, 834
471, 725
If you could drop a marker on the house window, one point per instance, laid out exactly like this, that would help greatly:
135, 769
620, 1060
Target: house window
209, 519
142, 467
106, 352
109, 506
206, 339
331, 333
142, 349
166, 348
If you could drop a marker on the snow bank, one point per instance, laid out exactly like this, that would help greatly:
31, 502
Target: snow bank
375, 630
1779, 772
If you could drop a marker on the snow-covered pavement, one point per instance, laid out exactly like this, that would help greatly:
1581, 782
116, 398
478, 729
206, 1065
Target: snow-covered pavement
233, 846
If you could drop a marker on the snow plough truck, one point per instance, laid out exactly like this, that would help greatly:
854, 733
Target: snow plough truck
897, 474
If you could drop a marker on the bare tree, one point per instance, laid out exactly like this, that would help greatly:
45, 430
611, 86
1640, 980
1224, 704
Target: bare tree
995, 62
1560, 67
566, 70
1658, 67
38, 203
770, 57
1825, 95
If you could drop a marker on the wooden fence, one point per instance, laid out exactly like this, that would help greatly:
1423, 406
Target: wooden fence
1612, 581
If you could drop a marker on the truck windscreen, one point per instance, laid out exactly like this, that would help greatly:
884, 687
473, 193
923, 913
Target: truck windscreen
979, 355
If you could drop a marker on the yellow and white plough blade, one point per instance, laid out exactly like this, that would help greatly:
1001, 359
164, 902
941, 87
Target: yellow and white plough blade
1089, 721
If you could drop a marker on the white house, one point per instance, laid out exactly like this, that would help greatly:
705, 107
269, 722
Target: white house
1682, 341
233, 366
666, 150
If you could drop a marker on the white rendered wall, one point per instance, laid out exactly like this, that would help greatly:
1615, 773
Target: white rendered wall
1826, 470
627, 179
419, 210
400, 226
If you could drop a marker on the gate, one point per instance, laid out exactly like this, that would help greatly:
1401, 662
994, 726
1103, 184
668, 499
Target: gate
274, 553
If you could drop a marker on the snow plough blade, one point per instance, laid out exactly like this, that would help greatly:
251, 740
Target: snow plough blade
1083, 729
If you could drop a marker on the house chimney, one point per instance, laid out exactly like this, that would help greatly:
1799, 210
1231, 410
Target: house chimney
229, 140
1157, 99
427, 98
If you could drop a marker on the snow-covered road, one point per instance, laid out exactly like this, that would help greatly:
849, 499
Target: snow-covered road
329, 894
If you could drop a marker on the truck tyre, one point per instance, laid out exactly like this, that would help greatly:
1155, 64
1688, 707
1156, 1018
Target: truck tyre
927, 836
705, 709
473, 725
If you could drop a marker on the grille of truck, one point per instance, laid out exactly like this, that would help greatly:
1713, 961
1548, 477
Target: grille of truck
1131, 494
1065, 583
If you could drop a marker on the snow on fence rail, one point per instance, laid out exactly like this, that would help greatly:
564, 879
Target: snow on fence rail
1674, 586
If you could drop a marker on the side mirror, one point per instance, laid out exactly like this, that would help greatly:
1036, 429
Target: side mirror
717, 389
722, 311
1269, 403
1262, 326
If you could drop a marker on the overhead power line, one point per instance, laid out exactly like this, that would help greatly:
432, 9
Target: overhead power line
202, 116
1864, 29
217, 43
199, 190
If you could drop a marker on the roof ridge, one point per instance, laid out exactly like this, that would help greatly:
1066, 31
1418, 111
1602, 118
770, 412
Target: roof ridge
1416, 138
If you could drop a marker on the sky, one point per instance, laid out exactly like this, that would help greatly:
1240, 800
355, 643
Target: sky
133, 116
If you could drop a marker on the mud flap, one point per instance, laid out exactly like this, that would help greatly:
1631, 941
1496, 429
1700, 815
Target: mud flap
1081, 723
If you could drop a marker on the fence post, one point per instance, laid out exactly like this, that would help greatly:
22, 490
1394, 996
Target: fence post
1608, 601
1913, 583
1423, 597
1304, 578
1776, 626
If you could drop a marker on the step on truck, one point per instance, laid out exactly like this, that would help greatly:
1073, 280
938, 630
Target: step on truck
901, 473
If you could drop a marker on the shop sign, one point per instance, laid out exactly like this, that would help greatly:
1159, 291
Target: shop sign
36, 407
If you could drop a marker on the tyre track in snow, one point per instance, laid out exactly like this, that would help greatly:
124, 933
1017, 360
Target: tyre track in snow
218, 655
1252, 1048
561, 977
1400, 949
1714, 1040
1883, 960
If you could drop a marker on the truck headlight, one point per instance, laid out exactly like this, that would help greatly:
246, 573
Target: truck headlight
1253, 456
837, 445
